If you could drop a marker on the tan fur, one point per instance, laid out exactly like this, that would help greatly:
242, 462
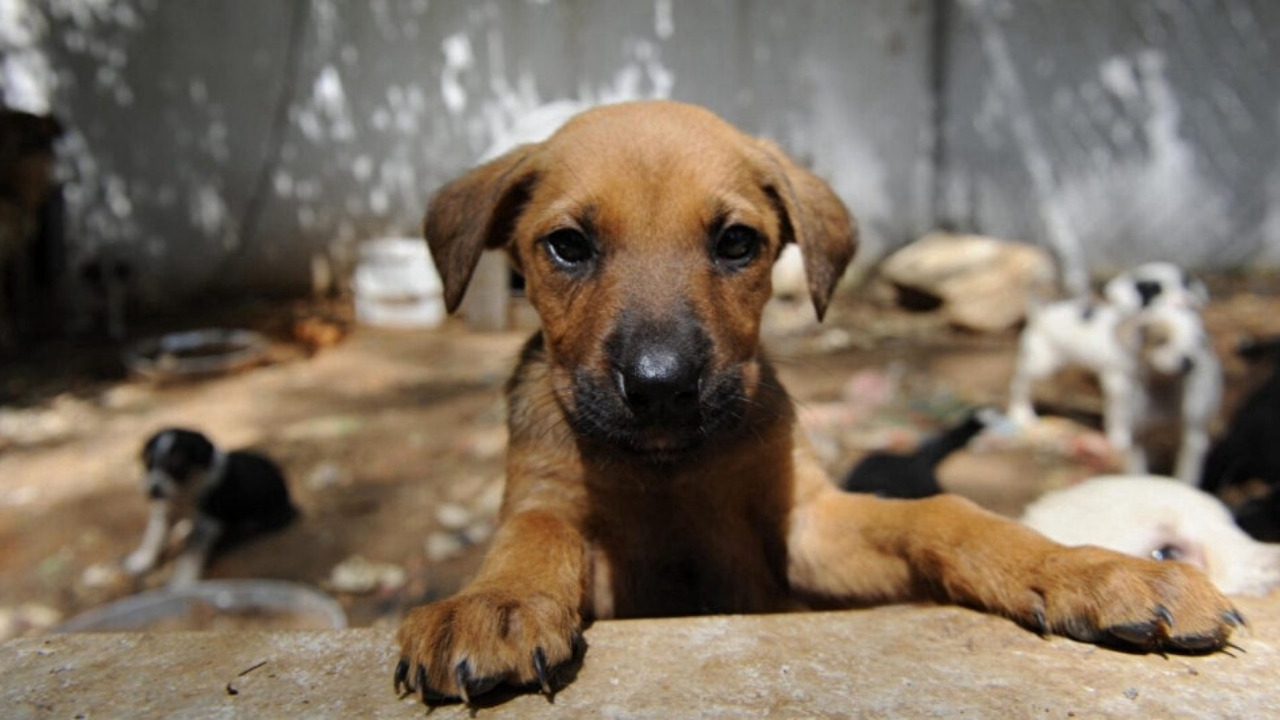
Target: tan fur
749, 522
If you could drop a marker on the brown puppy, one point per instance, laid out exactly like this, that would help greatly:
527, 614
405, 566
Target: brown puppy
655, 466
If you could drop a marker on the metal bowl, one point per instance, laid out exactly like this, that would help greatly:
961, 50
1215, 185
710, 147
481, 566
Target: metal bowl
195, 353
216, 605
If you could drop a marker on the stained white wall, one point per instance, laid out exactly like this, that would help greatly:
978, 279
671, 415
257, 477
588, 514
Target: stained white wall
1116, 132
224, 143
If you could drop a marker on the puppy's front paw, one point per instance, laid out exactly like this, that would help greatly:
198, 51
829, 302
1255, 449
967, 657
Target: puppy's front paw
138, 563
471, 643
1102, 597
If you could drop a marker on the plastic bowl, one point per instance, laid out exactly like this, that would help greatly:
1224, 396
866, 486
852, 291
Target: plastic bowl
216, 605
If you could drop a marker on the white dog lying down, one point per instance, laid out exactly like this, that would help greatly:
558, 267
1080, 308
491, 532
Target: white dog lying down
1158, 517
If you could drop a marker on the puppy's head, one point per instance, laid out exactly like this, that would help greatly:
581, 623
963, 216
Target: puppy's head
174, 460
1169, 340
646, 233
1156, 283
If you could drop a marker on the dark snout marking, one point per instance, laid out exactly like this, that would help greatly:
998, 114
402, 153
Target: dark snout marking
661, 382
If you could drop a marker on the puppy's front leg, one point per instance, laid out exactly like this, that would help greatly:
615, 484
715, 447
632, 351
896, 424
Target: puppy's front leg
516, 622
851, 549
153, 538
1195, 444
195, 553
1120, 413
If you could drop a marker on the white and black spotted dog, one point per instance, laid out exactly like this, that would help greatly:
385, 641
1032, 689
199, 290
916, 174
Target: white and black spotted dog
223, 494
1150, 351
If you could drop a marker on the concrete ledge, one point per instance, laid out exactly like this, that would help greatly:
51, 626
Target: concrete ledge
886, 662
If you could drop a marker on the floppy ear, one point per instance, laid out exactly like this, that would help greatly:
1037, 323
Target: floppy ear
475, 213
814, 218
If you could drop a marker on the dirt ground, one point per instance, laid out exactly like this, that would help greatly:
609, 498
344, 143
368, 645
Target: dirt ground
393, 441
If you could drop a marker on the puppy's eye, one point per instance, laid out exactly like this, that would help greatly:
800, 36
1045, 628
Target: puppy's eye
736, 247
569, 248
1167, 552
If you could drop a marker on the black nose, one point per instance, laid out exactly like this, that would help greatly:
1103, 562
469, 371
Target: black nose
1148, 289
661, 384
155, 492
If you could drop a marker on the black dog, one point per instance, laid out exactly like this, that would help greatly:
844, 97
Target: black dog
226, 494
913, 475
1250, 449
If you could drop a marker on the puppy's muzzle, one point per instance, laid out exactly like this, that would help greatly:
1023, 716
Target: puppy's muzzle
158, 485
658, 393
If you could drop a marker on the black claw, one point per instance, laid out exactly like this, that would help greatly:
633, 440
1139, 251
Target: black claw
540, 669
1138, 634
402, 677
1199, 643
1165, 618
462, 676
1233, 618
422, 682
1042, 623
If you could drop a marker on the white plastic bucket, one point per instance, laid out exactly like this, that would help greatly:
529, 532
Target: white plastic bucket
396, 285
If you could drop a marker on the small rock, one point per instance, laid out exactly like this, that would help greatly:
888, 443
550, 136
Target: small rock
452, 516
478, 532
126, 397
834, 340
358, 575
324, 476
441, 546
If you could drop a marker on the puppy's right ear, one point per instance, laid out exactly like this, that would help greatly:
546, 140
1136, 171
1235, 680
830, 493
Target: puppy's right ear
474, 213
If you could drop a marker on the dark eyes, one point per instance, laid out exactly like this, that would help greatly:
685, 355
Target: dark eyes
1167, 552
736, 247
569, 248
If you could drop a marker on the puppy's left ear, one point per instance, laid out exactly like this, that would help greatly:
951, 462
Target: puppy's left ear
813, 217
474, 213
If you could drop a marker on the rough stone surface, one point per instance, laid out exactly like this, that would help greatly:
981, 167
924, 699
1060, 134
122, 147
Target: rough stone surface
983, 283
888, 662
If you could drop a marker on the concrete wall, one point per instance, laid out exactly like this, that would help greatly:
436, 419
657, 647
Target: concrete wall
223, 144
1116, 132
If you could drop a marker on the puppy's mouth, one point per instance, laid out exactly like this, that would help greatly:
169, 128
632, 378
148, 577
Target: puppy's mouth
656, 429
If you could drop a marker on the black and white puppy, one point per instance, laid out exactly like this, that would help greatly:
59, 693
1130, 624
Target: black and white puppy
1154, 365
223, 494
